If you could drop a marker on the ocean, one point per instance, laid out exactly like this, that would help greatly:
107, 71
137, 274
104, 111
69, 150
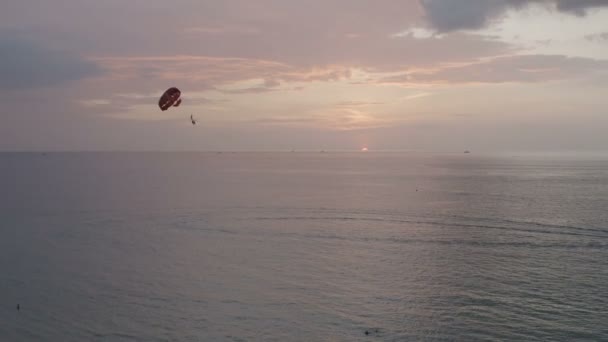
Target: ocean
303, 247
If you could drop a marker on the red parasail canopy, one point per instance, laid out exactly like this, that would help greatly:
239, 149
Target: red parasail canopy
170, 98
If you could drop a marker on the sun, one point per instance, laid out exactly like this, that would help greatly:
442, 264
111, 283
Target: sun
364, 149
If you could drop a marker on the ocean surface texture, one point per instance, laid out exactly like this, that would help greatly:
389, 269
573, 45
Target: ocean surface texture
302, 247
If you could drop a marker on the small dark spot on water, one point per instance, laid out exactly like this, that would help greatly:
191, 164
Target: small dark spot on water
373, 331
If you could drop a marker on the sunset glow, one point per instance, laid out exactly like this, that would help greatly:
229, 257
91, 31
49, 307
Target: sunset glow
428, 75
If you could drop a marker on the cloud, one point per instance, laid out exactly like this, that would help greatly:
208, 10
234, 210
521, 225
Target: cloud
578, 7
452, 15
283, 120
251, 90
314, 33
117, 104
525, 68
348, 116
600, 37
416, 96
338, 116
230, 76
28, 64
221, 30
357, 104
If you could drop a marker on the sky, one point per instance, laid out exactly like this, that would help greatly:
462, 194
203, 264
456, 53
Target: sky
423, 75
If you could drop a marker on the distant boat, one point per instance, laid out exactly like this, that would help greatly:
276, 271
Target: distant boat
467, 151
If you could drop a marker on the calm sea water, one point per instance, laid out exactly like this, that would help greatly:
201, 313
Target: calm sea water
302, 247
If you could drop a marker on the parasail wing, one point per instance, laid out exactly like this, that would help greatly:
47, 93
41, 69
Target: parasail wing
169, 98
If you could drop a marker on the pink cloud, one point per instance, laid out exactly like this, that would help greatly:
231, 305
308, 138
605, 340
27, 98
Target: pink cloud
516, 68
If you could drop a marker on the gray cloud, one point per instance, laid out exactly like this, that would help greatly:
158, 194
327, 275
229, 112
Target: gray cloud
454, 15
27, 64
303, 34
579, 7
597, 37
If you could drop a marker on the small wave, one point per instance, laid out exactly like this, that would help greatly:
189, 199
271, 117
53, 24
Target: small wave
604, 234
453, 242
538, 224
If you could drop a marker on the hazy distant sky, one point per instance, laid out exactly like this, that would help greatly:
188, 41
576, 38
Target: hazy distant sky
436, 75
